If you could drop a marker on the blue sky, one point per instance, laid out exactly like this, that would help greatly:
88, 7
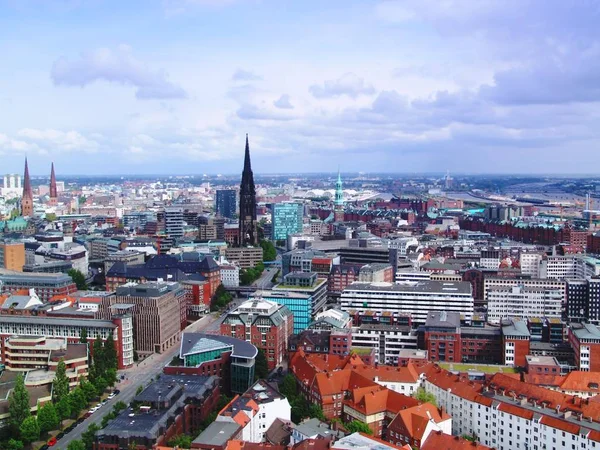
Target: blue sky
172, 86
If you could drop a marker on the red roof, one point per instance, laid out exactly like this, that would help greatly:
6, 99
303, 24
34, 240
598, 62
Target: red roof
439, 441
412, 422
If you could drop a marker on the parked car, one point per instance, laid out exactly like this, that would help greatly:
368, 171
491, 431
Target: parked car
44, 447
116, 392
111, 396
60, 435
51, 442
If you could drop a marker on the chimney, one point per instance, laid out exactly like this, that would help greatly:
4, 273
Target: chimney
567, 414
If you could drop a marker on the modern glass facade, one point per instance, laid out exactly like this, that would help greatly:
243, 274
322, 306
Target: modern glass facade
196, 359
226, 203
286, 219
242, 374
300, 305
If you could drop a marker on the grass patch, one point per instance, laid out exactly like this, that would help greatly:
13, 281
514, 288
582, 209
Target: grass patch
477, 368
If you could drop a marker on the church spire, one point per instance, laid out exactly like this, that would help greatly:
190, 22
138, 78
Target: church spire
27, 200
248, 234
247, 165
53, 190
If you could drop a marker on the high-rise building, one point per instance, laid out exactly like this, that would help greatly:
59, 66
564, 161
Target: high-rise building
27, 200
174, 222
53, 190
248, 233
226, 203
339, 200
286, 219
12, 255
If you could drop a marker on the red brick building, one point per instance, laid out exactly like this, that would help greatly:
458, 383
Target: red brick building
341, 275
585, 341
515, 343
265, 324
211, 271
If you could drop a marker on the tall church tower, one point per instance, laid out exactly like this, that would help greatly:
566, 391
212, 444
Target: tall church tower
338, 203
27, 199
248, 232
53, 191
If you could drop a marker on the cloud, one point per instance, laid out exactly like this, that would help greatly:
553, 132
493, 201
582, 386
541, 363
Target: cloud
116, 66
252, 112
348, 84
283, 102
245, 75
56, 140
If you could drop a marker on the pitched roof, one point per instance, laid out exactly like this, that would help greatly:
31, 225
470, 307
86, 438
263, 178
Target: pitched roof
581, 381
412, 422
440, 441
376, 399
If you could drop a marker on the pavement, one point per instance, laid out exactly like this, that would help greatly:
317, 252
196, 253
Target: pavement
139, 375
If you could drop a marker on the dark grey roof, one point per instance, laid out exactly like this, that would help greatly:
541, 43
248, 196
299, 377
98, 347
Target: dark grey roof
87, 323
445, 319
240, 348
218, 433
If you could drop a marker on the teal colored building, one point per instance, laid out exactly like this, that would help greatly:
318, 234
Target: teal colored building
286, 219
299, 304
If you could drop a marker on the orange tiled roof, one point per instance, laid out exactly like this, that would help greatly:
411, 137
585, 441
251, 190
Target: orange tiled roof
376, 399
543, 379
440, 441
407, 374
581, 381
412, 422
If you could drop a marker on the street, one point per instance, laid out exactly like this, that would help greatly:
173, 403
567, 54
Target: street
264, 282
139, 375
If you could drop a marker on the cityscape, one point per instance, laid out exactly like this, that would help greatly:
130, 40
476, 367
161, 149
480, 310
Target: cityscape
291, 280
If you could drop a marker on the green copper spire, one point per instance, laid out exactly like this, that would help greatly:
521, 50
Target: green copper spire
339, 193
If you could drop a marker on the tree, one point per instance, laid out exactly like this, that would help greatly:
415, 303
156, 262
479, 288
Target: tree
317, 412
47, 418
60, 386
77, 401
30, 429
76, 445
63, 408
83, 336
221, 298
288, 387
425, 397
18, 403
78, 278
119, 406
269, 252
100, 384
181, 441
261, 368
88, 436
50, 217
14, 444
99, 362
109, 353
88, 390
139, 390
358, 426
111, 377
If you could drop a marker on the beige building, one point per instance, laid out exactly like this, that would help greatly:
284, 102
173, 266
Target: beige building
245, 257
12, 255
158, 310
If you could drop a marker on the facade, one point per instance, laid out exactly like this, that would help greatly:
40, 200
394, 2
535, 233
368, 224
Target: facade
515, 343
340, 276
46, 285
377, 273
245, 257
498, 282
388, 342
524, 302
585, 341
306, 284
411, 298
530, 263
583, 300
171, 405
265, 324
508, 414
412, 426
174, 222
157, 309
286, 219
247, 221
300, 305
12, 255
230, 276
226, 203
230, 359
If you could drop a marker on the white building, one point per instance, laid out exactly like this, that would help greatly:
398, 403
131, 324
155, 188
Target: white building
414, 298
523, 302
230, 275
491, 283
560, 267
508, 414
403, 244
387, 340
530, 264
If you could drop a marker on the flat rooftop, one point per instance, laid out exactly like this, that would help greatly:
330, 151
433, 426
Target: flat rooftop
425, 286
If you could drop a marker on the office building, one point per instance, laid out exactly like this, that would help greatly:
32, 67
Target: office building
46, 285
307, 283
300, 304
499, 282
231, 359
523, 303
245, 257
226, 203
286, 219
585, 341
230, 275
267, 325
170, 406
248, 234
12, 255
583, 300
158, 310
174, 222
416, 299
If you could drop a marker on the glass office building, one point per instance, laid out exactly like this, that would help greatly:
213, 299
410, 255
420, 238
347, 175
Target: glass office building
226, 203
286, 219
299, 304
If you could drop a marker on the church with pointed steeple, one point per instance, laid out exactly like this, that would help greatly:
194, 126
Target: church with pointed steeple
53, 190
248, 234
27, 199
338, 202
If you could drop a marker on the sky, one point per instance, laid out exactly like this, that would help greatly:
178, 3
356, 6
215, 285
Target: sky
173, 86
